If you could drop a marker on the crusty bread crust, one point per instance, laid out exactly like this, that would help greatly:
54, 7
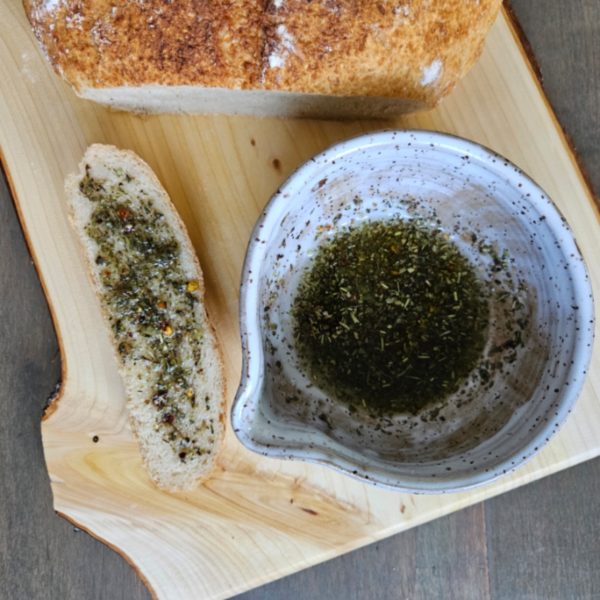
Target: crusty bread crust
416, 50
163, 465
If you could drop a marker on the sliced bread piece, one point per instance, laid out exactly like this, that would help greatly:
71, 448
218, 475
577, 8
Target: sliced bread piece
149, 283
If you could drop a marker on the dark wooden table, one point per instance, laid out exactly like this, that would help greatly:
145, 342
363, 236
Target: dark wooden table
541, 541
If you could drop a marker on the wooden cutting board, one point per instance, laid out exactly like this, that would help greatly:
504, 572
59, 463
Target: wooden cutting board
258, 518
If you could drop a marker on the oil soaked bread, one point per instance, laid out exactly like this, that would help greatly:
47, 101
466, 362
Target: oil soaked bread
151, 293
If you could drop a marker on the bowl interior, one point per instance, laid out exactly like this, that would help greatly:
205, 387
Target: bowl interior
540, 314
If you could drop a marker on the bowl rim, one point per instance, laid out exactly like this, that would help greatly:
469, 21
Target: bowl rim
251, 331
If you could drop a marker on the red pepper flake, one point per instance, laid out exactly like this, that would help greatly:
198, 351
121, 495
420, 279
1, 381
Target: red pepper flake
123, 214
322, 228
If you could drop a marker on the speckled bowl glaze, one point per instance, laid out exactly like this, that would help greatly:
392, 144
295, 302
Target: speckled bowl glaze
519, 394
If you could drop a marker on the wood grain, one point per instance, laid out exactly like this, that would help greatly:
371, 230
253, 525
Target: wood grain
41, 556
535, 542
428, 553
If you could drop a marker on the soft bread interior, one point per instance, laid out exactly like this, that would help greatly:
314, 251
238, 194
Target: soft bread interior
204, 421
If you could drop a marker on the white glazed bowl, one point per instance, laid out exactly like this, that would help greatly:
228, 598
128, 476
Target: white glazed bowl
479, 198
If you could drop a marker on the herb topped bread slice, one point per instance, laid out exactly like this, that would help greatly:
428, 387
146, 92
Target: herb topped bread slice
150, 287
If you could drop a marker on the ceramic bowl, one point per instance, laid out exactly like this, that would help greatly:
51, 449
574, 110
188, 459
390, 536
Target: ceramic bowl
523, 388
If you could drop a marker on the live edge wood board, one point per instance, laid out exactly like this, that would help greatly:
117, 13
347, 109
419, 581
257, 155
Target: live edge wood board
257, 519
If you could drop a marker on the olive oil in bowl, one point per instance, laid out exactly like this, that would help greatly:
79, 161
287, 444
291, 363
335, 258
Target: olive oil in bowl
391, 316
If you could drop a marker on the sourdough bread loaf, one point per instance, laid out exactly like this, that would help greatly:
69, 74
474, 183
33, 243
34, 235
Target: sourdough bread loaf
323, 58
151, 293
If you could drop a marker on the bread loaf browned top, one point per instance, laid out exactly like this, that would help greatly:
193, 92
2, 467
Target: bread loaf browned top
411, 49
